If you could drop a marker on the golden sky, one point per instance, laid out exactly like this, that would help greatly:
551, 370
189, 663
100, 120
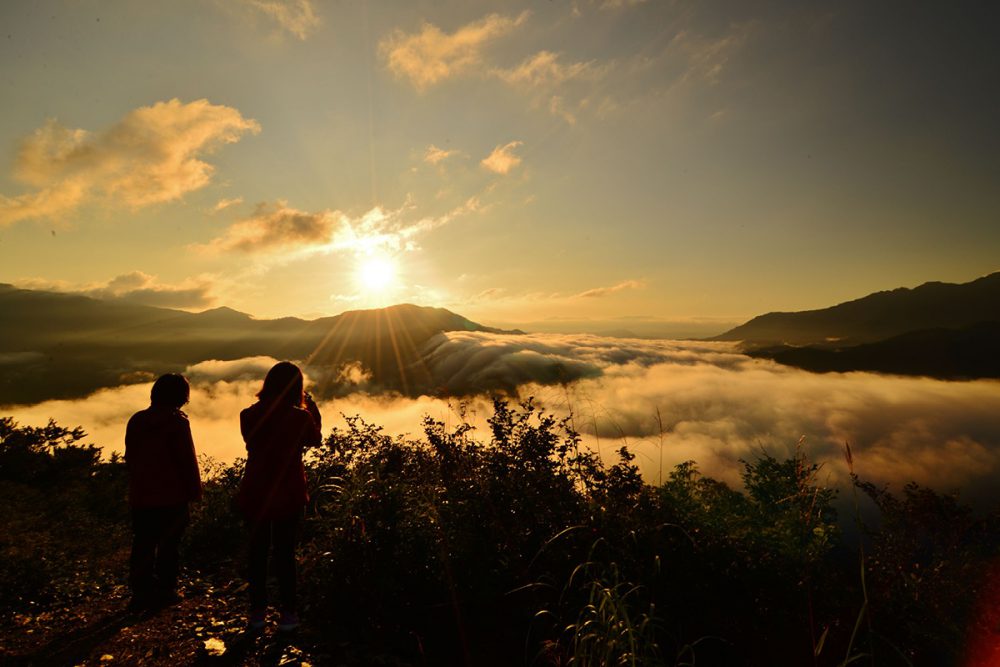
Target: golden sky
609, 161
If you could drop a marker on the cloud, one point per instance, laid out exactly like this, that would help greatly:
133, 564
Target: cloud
557, 107
150, 156
354, 375
708, 57
20, 358
275, 226
223, 204
214, 370
214, 411
346, 298
604, 291
498, 293
618, 4
703, 58
678, 72
467, 363
719, 406
140, 287
137, 287
382, 230
502, 159
544, 69
464, 365
435, 154
490, 294
715, 406
295, 16
547, 80
430, 56
287, 233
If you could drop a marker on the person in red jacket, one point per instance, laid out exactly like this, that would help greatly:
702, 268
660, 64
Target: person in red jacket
163, 479
272, 494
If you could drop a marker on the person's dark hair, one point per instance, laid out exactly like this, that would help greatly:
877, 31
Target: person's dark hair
170, 391
283, 384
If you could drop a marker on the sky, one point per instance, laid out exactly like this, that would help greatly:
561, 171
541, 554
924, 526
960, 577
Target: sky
616, 162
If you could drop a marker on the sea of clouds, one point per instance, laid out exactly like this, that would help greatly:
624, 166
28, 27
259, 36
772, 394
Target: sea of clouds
670, 401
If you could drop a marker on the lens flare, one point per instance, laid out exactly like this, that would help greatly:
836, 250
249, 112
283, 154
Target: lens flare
376, 274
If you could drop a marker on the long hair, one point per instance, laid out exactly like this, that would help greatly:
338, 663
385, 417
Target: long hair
283, 384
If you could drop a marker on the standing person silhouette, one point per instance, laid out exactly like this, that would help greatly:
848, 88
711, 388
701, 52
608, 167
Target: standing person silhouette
163, 479
272, 495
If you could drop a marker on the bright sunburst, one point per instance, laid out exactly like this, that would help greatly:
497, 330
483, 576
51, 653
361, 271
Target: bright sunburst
376, 274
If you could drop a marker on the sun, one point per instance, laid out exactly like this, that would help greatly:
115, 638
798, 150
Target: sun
376, 274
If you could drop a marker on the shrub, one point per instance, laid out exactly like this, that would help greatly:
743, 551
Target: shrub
930, 562
63, 515
527, 547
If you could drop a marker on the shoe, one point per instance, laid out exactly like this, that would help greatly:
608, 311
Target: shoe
257, 619
289, 621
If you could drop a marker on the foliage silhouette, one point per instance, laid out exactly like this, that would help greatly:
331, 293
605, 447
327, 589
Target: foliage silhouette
524, 547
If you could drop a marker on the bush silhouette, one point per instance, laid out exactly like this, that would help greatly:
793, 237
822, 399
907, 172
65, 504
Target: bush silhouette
524, 547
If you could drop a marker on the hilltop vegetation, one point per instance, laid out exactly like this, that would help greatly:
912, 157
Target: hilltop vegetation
517, 548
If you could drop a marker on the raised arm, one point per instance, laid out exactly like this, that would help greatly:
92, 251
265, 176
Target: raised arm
312, 435
314, 411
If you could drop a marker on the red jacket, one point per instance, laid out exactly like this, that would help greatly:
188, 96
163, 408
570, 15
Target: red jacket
274, 484
162, 465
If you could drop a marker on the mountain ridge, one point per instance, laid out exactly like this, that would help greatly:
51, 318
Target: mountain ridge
877, 316
59, 345
967, 353
942, 330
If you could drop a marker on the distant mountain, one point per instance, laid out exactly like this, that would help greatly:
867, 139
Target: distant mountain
952, 354
878, 316
56, 345
628, 327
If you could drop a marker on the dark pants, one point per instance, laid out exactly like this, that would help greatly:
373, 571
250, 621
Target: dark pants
281, 535
156, 538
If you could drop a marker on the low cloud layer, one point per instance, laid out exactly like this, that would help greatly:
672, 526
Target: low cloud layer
717, 406
218, 394
152, 155
678, 400
214, 370
468, 363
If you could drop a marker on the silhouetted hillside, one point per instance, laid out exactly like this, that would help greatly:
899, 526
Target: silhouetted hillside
55, 345
967, 353
878, 316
